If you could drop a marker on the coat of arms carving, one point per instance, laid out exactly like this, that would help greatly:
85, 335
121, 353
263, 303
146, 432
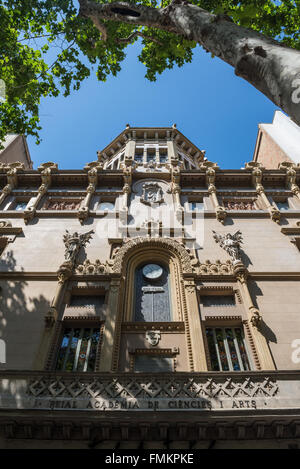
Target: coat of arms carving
152, 193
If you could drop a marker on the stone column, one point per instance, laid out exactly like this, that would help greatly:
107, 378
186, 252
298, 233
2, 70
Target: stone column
64, 273
257, 174
83, 212
195, 343
46, 170
291, 177
172, 150
129, 150
254, 319
29, 212
51, 319
112, 330
210, 169
12, 179
176, 188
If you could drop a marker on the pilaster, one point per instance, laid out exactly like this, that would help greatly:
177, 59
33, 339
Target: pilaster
265, 360
257, 175
12, 170
112, 330
194, 336
210, 171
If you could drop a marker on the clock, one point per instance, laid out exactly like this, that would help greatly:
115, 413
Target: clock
152, 271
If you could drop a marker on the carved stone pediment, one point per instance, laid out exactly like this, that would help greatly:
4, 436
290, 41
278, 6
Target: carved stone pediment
152, 193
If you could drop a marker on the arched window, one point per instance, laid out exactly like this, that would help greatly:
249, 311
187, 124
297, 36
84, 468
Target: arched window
152, 293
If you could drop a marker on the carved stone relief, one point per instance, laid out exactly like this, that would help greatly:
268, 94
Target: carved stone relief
230, 243
153, 337
152, 193
52, 204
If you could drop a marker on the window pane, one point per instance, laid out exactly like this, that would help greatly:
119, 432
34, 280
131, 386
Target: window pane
283, 205
63, 348
232, 350
78, 349
212, 350
20, 206
242, 349
95, 337
218, 300
69, 366
196, 206
227, 347
222, 350
83, 350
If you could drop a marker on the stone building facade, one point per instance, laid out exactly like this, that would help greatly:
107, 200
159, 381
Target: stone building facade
277, 142
150, 300
15, 149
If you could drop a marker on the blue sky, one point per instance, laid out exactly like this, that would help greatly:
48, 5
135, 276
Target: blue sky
216, 110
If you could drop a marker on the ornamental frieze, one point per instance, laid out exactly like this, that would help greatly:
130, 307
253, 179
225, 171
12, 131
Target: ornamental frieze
154, 387
215, 268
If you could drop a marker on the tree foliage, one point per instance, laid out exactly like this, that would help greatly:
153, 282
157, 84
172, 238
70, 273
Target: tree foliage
47, 48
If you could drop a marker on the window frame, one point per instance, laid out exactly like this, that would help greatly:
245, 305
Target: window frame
231, 325
74, 323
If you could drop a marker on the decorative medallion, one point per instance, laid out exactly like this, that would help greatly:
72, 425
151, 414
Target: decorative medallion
152, 193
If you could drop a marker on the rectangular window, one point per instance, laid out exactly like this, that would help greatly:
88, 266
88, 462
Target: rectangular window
227, 349
108, 205
78, 349
20, 206
283, 205
218, 300
151, 157
139, 154
151, 364
87, 300
163, 155
196, 206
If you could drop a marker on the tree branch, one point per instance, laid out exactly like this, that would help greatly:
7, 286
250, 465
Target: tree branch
265, 63
133, 35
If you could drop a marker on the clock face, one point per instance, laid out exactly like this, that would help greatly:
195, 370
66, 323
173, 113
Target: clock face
152, 271
106, 206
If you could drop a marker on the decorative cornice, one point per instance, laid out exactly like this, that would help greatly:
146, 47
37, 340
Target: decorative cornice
139, 327
216, 268
221, 317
